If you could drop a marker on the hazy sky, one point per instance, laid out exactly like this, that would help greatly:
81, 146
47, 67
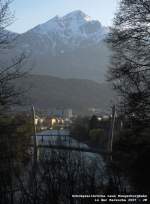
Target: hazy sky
29, 13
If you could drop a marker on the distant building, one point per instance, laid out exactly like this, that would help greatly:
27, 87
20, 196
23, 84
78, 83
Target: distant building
38, 120
68, 113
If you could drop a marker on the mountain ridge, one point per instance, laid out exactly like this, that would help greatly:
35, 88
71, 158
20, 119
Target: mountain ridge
72, 29
71, 46
48, 92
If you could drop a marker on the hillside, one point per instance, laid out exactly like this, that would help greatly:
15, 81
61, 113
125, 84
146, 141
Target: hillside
47, 92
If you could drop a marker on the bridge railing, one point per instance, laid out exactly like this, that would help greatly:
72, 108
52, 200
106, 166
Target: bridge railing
53, 139
64, 142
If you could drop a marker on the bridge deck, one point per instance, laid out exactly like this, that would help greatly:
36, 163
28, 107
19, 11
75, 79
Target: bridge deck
69, 148
52, 135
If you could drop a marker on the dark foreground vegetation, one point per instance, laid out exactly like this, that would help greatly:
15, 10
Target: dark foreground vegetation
91, 131
128, 168
130, 74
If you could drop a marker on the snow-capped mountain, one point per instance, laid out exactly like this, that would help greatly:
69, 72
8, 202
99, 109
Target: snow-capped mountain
69, 47
72, 29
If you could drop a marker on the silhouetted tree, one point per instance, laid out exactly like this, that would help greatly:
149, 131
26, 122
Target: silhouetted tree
14, 132
129, 39
80, 128
130, 66
93, 122
59, 176
11, 69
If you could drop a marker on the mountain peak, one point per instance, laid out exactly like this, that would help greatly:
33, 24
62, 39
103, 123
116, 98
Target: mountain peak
72, 29
77, 14
66, 46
